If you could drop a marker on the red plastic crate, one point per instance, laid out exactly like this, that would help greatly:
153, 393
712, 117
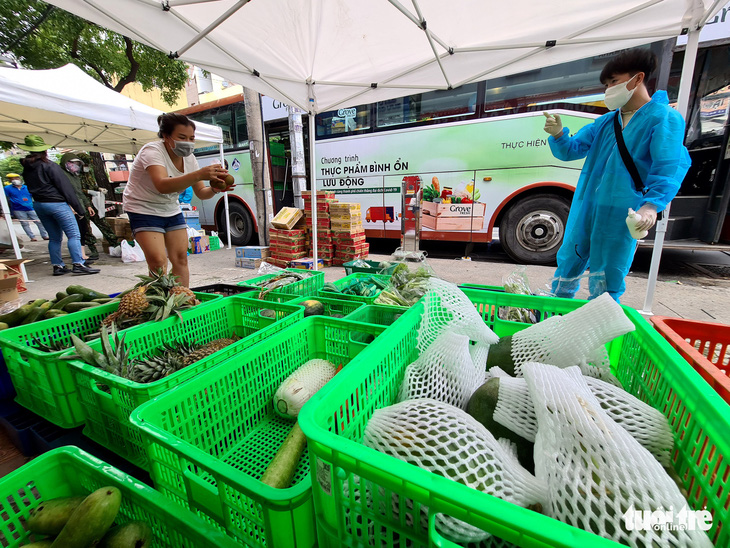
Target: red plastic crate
705, 346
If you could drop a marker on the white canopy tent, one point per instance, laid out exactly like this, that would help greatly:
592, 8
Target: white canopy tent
70, 109
325, 54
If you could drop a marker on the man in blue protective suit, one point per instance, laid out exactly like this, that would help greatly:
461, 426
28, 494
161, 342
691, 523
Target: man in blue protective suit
596, 236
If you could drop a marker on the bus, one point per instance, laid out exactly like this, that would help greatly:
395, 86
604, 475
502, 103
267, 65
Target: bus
479, 156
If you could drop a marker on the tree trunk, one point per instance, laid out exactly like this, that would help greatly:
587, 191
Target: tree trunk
259, 164
99, 166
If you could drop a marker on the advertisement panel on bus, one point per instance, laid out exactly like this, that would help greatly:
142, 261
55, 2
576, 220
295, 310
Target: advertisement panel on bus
475, 169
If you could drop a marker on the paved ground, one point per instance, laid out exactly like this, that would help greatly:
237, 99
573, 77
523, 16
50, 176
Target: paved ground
692, 285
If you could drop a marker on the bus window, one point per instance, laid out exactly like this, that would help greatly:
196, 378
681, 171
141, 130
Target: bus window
345, 121
434, 105
239, 122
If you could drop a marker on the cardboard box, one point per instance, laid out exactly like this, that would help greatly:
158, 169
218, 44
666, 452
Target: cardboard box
306, 263
10, 270
287, 218
281, 263
243, 262
453, 216
253, 252
198, 244
278, 249
345, 208
289, 256
8, 291
321, 195
288, 234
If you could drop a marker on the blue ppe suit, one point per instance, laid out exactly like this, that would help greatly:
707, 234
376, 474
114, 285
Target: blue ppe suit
596, 235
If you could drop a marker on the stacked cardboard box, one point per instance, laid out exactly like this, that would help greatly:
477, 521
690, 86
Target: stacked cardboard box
348, 234
121, 228
287, 245
252, 256
325, 247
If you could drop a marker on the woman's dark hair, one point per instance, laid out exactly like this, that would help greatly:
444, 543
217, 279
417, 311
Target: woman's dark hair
169, 121
631, 61
34, 157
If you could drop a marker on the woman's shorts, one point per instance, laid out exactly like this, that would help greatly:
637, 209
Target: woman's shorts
140, 222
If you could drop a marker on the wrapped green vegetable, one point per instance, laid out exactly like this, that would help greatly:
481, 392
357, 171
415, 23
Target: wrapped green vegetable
406, 287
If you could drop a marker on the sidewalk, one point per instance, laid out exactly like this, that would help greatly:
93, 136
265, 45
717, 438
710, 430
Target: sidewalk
704, 299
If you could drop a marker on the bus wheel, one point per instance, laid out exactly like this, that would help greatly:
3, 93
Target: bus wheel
241, 224
532, 229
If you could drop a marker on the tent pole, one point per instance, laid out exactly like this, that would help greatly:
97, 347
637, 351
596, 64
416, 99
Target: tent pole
13, 236
225, 199
685, 84
313, 187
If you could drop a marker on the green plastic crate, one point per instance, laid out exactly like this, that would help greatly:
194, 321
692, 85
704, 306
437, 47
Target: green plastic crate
378, 314
333, 306
344, 282
350, 268
212, 438
69, 471
308, 286
335, 419
108, 410
44, 383
482, 287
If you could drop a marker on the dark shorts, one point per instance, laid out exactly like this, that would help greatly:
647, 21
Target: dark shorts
139, 222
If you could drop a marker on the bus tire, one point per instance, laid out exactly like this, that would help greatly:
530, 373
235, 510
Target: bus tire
532, 229
241, 224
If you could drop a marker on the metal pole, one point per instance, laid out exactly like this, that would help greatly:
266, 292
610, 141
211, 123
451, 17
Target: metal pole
313, 187
225, 199
685, 85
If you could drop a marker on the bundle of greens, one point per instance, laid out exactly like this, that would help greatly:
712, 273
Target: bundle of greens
406, 287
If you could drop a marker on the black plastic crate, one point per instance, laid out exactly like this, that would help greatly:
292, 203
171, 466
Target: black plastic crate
222, 289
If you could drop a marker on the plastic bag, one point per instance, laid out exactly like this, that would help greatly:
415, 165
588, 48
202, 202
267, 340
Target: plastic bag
192, 233
569, 287
9, 306
115, 251
268, 268
516, 282
361, 264
131, 254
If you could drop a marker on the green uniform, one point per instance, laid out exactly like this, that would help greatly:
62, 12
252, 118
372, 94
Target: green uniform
75, 180
89, 183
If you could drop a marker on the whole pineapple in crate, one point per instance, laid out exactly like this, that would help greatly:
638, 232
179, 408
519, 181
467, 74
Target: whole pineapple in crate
154, 298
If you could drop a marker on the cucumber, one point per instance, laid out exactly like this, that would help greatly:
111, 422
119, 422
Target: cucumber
75, 307
135, 534
61, 295
91, 520
102, 301
16, 316
89, 294
36, 314
50, 517
47, 543
61, 305
55, 313
47, 305
38, 302
3, 325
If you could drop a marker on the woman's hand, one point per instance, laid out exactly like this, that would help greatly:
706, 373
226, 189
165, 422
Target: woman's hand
214, 172
91, 211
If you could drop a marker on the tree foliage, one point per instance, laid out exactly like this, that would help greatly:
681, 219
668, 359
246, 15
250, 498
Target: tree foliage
11, 164
40, 36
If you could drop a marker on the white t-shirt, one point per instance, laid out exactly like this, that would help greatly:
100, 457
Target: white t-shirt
140, 194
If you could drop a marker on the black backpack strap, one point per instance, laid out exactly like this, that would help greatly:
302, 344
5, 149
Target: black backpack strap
626, 157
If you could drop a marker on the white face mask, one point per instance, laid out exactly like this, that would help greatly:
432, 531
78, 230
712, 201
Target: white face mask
617, 96
183, 148
17, 182
86, 169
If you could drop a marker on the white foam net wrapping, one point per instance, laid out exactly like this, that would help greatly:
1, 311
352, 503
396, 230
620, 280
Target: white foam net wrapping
569, 340
594, 469
445, 371
515, 410
447, 307
447, 441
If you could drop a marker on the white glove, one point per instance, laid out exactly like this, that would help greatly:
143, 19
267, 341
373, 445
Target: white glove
553, 125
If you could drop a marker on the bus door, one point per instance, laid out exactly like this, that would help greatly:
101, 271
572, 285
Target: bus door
715, 221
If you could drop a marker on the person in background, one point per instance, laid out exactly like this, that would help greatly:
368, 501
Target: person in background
596, 235
55, 202
73, 165
88, 183
161, 170
21, 206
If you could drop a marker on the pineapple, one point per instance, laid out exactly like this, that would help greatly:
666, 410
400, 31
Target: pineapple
208, 349
155, 368
182, 290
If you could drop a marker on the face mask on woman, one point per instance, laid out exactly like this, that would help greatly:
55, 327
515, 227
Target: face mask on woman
183, 148
86, 169
17, 182
73, 167
617, 96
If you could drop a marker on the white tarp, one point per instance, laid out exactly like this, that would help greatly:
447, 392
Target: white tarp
321, 55
70, 109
